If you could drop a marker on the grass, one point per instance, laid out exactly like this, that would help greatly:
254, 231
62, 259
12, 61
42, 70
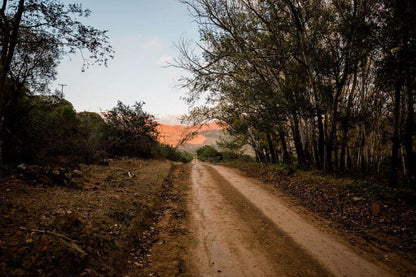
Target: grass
90, 227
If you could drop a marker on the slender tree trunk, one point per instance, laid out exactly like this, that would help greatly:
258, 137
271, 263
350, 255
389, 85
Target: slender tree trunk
346, 122
286, 156
297, 140
408, 138
8, 43
321, 142
395, 139
273, 159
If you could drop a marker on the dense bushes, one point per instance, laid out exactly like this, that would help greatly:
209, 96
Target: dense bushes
43, 129
91, 146
209, 154
173, 154
47, 130
130, 131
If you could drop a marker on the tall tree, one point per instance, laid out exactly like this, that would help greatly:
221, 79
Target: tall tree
34, 24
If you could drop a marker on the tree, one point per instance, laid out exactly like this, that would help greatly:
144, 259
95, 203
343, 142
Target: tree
130, 131
396, 74
294, 78
45, 28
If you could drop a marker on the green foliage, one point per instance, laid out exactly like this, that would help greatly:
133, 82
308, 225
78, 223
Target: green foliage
247, 158
233, 144
209, 154
333, 79
34, 36
49, 127
229, 156
130, 131
91, 146
173, 154
47, 130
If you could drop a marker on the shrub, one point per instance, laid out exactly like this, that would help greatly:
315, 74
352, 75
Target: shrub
229, 156
130, 131
44, 132
209, 154
173, 154
91, 146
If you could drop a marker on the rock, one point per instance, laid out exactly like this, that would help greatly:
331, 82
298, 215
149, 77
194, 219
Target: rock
22, 167
357, 198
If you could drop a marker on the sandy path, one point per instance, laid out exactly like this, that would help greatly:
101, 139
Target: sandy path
260, 236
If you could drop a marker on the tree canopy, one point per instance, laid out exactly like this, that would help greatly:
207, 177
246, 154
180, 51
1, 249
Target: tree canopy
323, 83
34, 35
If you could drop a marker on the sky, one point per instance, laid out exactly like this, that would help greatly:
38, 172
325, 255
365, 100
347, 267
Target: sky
143, 34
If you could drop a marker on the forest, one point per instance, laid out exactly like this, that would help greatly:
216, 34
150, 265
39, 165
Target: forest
328, 85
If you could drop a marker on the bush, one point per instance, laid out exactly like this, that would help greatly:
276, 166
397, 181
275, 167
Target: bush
247, 158
209, 154
130, 131
43, 133
47, 130
229, 156
173, 154
91, 146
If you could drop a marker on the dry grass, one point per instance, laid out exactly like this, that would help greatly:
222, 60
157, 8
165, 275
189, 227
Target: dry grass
91, 227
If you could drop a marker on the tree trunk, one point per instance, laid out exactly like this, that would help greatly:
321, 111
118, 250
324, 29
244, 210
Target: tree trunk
321, 142
286, 156
273, 158
8, 44
346, 123
408, 139
395, 139
297, 140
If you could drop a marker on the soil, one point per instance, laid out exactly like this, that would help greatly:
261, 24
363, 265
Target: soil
377, 221
86, 228
234, 238
168, 255
155, 218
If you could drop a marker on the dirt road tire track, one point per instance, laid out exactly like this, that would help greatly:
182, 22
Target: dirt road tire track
233, 238
241, 229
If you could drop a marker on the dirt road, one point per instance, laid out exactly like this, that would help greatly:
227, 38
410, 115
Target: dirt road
241, 229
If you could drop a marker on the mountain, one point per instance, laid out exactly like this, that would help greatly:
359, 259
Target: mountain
206, 134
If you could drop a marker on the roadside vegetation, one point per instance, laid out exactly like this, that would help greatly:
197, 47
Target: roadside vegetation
327, 85
40, 127
80, 193
46, 130
230, 149
324, 93
209, 154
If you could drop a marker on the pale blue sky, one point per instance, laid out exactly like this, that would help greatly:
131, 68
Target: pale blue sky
143, 33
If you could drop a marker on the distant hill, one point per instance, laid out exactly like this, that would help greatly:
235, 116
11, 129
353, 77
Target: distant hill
206, 134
